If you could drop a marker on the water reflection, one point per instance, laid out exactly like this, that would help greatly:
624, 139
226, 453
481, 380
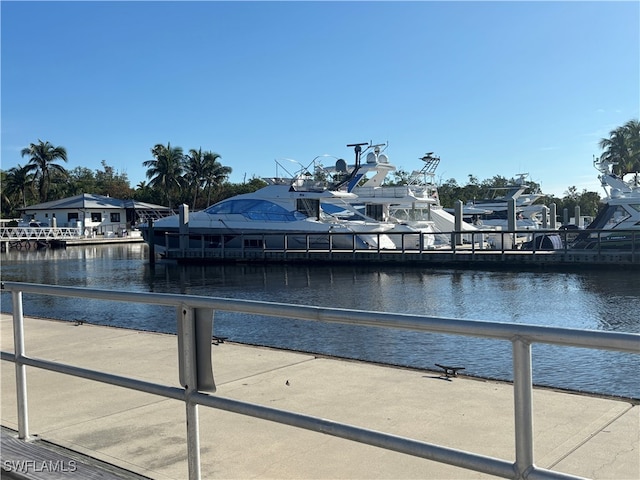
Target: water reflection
588, 300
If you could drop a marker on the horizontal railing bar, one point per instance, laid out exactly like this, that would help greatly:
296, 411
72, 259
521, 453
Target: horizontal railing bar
117, 380
537, 473
619, 341
7, 356
459, 458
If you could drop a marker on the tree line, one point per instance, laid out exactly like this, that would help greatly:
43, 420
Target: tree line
198, 178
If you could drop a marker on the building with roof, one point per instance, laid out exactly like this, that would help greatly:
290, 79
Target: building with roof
95, 214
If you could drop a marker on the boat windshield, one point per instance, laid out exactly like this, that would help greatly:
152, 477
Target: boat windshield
255, 209
611, 216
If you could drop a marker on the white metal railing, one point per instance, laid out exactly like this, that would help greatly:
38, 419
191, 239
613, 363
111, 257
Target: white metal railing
192, 364
38, 233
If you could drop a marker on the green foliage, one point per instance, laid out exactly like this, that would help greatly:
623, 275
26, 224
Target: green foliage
198, 179
622, 148
81, 180
112, 184
17, 190
165, 171
589, 202
449, 192
42, 162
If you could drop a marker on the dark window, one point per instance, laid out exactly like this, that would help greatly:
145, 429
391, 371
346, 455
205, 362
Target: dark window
72, 217
96, 217
253, 243
254, 209
115, 217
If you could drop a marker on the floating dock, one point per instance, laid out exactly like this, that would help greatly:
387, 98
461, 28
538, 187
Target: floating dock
463, 250
7, 244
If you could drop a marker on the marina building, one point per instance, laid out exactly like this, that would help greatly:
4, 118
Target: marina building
94, 214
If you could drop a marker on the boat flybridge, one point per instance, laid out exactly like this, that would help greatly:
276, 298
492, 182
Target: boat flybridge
619, 218
413, 205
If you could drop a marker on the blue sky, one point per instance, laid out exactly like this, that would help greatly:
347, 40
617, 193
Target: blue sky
493, 88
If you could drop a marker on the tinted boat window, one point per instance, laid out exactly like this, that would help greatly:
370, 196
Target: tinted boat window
254, 209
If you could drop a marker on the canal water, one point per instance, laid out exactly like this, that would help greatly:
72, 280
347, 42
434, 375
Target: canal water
597, 300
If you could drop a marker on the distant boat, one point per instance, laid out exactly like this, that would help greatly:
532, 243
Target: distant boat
619, 218
493, 212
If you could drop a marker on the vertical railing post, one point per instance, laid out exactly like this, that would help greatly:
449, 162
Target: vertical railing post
330, 245
523, 406
187, 338
21, 369
354, 246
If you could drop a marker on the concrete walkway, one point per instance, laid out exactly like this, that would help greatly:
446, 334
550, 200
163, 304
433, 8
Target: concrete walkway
146, 434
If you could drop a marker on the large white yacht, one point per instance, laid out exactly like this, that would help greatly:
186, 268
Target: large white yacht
285, 214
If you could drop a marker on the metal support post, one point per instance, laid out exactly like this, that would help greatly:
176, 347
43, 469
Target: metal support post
21, 369
152, 243
523, 407
458, 208
183, 228
512, 223
187, 335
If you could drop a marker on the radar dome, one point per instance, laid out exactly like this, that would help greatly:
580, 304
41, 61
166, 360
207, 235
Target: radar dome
371, 157
341, 165
382, 158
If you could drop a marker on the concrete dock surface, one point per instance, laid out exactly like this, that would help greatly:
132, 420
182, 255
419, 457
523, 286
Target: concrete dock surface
587, 436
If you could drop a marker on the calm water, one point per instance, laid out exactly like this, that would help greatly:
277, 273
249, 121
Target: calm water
587, 300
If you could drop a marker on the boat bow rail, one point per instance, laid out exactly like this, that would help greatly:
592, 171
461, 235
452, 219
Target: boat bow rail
194, 315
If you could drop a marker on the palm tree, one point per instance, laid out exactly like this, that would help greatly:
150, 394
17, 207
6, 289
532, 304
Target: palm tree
195, 166
215, 173
42, 158
632, 133
17, 181
622, 148
165, 170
